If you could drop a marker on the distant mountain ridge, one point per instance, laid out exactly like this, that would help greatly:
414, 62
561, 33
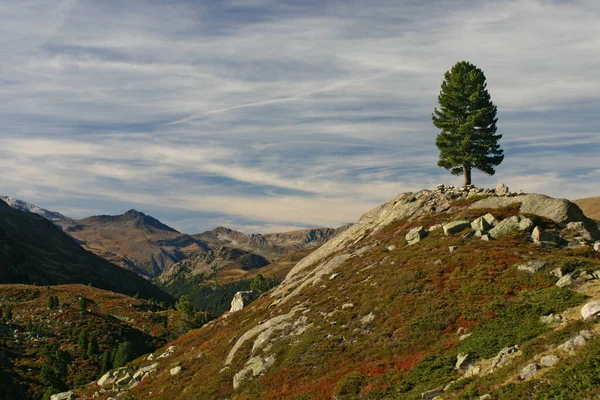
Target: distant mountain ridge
133, 240
590, 207
35, 250
25, 206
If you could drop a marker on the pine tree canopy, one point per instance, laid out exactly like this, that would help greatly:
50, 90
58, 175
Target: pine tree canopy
467, 119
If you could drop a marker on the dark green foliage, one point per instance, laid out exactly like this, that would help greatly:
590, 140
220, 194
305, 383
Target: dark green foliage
8, 314
83, 340
259, 284
83, 303
517, 321
124, 354
49, 392
92, 347
54, 366
105, 362
467, 119
53, 302
213, 299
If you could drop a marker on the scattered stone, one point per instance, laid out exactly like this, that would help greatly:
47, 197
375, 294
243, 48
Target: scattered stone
451, 248
588, 335
502, 190
441, 187
431, 394
368, 318
124, 381
465, 336
505, 227
242, 298
557, 272
565, 281
529, 371
597, 246
253, 368
485, 238
168, 352
549, 360
480, 224
579, 340
63, 396
462, 361
472, 370
141, 373
591, 309
502, 357
391, 248
106, 379
415, 235
490, 219
455, 227
485, 396
175, 370
570, 345
434, 227
333, 276
552, 318
539, 235
526, 225
150, 357
437, 262
346, 306
531, 266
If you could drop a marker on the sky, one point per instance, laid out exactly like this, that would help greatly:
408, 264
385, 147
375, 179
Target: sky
270, 115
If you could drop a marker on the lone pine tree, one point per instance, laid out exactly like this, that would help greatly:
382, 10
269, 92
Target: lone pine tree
467, 119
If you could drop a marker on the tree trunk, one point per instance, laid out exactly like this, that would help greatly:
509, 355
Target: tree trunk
467, 174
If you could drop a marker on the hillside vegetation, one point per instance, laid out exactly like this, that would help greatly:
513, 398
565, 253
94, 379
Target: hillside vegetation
590, 206
51, 338
368, 316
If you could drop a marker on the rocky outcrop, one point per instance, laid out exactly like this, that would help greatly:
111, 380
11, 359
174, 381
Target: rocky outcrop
415, 235
529, 371
505, 227
241, 299
63, 396
591, 309
455, 227
531, 266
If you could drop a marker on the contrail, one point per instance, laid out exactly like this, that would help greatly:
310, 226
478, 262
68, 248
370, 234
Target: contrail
261, 103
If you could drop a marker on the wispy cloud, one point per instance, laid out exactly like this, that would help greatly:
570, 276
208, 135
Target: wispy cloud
268, 114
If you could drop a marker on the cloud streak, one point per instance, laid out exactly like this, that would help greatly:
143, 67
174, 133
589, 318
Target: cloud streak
271, 114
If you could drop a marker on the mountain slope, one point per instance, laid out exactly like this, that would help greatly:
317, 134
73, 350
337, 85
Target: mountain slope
34, 250
24, 206
110, 319
368, 316
272, 246
590, 207
133, 240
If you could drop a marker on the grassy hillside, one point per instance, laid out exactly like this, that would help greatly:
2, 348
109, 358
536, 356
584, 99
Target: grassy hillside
368, 317
590, 206
109, 319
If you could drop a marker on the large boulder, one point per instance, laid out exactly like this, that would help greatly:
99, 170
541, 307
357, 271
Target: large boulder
529, 371
540, 235
241, 299
558, 210
531, 266
591, 309
252, 369
455, 227
415, 235
502, 190
480, 224
505, 227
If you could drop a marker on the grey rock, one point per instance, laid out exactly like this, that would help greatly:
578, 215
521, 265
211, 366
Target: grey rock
549, 360
485, 396
529, 371
540, 235
552, 318
565, 281
464, 336
531, 266
455, 227
588, 335
253, 368
526, 225
502, 357
480, 224
579, 341
485, 238
415, 235
346, 306
391, 248
591, 309
144, 371
557, 272
505, 227
175, 370
63, 396
124, 381
431, 394
502, 190
241, 299
106, 379
597, 245
490, 219
451, 248
462, 361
